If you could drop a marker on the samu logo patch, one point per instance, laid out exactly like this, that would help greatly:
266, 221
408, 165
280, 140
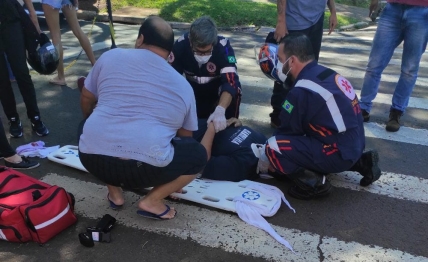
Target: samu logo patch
231, 59
287, 106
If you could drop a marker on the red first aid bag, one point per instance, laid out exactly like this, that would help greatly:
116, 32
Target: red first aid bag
31, 209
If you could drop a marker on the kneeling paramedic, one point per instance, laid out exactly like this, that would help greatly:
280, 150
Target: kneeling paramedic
208, 63
321, 125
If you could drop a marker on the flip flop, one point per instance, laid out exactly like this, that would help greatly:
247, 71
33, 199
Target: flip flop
58, 83
151, 215
112, 204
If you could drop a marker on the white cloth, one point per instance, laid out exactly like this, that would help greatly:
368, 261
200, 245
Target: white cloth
35, 149
259, 150
252, 213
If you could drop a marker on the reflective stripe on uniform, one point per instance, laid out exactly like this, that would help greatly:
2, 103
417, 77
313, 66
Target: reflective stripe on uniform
329, 99
229, 69
201, 79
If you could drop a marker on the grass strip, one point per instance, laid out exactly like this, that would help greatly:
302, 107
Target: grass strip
226, 13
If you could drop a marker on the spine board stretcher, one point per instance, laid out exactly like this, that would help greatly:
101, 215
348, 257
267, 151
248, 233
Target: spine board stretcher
213, 193
220, 194
67, 155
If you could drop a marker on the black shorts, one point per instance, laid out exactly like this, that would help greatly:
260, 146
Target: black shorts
190, 157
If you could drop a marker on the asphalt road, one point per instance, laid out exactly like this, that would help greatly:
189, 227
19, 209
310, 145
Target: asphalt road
384, 222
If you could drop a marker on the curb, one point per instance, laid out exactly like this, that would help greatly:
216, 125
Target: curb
89, 16
355, 26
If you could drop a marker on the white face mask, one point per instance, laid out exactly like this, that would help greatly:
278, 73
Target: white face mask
202, 59
281, 74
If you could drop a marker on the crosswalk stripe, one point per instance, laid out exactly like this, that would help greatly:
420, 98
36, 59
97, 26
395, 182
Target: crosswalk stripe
406, 135
334, 57
264, 82
390, 184
363, 59
341, 68
224, 230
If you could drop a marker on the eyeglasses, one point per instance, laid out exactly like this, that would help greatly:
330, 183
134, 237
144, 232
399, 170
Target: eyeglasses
202, 53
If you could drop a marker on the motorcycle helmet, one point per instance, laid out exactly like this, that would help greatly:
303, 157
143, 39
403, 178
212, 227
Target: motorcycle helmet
45, 58
267, 59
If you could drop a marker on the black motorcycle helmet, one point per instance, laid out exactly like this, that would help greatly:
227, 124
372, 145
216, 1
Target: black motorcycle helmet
45, 58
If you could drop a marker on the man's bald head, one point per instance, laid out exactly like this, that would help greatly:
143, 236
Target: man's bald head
157, 32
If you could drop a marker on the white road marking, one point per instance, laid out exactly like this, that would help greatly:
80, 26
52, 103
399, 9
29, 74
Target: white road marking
406, 135
224, 230
264, 82
326, 56
389, 184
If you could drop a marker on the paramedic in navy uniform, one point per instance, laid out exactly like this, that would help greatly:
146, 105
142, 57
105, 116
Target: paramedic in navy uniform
321, 125
208, 63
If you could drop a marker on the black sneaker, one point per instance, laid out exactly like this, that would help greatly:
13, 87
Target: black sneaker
368, 167
39, 127
309, 185
24, 164
393, 124
321, 191
15, 128
366, 115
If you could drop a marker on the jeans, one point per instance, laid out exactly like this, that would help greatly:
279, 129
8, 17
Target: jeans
397, 23
12, 44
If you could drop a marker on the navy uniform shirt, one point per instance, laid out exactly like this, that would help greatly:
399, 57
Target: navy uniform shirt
322, 104
232, 158
211, 79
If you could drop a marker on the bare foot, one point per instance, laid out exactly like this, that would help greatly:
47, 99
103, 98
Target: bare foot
115, 195
174, 197
156, 207
118, 200
57, 81
14, 159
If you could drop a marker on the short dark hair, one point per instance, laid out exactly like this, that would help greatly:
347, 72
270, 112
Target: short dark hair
299, 45
157, 32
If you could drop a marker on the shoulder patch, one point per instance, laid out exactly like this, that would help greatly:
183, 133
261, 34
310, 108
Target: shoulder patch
231, 59
345, 86
211, 67
224, 41
287, 106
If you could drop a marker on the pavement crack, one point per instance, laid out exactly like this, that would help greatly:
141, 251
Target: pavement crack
321, 254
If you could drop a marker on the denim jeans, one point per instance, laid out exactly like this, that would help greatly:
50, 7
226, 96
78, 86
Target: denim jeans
397, 23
